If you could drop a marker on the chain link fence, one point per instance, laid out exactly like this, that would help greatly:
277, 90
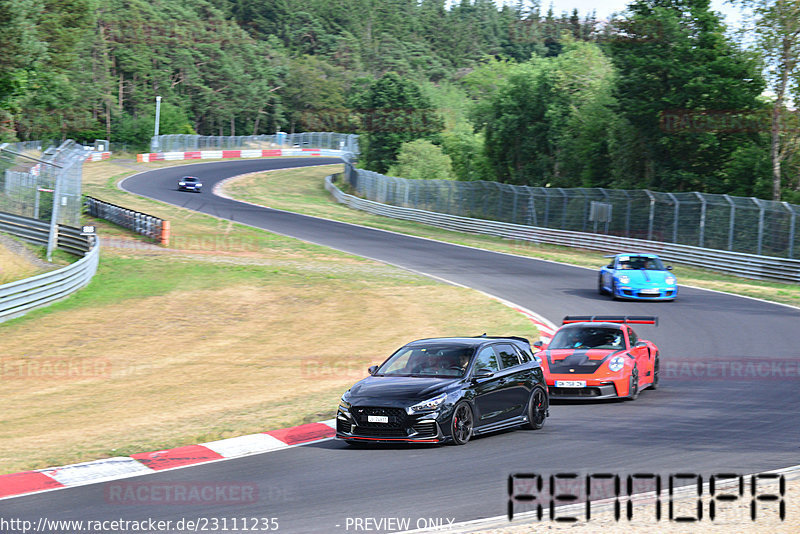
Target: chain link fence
737, 224
330, 140
37, 183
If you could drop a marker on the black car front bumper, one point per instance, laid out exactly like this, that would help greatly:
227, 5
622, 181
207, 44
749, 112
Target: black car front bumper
353, 424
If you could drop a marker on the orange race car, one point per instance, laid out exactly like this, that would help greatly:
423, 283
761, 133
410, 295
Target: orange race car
599, 357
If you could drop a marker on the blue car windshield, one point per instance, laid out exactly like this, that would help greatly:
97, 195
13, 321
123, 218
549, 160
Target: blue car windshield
437, 360
640, 262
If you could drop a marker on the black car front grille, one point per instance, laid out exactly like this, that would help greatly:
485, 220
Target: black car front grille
342, 426
425, 429
381, 432
397, 416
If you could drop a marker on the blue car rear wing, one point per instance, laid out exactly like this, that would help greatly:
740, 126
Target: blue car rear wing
629, 319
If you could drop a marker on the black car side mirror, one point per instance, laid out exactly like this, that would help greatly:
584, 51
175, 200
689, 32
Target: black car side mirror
372, 368
483, 373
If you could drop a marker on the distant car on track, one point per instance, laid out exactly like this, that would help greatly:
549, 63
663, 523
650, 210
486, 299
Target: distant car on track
189, 183
599, 357
638, 277
446, 390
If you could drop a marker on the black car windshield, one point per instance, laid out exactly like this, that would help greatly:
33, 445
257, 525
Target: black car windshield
441, 360
189, 179
588, 338
640, 262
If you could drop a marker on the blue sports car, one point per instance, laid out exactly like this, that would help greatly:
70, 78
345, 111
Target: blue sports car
637, 276
190, 183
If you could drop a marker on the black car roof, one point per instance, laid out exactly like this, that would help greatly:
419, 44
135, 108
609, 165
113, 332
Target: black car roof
470, 341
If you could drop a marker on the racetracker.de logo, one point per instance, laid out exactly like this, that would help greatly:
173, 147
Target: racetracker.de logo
731, 369
180, 493
683, 121
54, 368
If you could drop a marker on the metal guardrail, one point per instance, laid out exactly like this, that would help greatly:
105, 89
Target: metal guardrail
141, 223
745, 265
37, 232
18, 298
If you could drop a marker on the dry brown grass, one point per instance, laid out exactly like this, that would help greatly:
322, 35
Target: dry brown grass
15, 267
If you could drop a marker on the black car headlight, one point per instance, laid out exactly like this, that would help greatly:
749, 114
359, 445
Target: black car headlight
428, 405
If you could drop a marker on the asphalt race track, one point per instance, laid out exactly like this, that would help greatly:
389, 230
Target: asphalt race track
732, 422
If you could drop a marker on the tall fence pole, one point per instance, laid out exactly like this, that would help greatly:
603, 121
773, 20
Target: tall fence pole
651, 216
732, 222
760, 241
702, 219
792, 220
675, 217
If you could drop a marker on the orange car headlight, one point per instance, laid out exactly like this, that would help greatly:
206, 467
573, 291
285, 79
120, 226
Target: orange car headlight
616, 363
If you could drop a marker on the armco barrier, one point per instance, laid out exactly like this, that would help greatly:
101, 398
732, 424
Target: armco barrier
37, 232
750, 266
141, 223
17, 298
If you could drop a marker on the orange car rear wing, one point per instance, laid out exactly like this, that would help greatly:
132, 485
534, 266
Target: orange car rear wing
629, 319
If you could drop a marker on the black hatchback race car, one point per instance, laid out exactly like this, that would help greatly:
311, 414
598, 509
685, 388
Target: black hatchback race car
446, 390
189, 183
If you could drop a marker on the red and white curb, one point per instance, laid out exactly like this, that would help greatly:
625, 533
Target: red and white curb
149, 462
226, 154
98, 156
26, 482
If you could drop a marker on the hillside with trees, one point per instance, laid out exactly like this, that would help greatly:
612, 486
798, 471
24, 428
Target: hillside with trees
663, 96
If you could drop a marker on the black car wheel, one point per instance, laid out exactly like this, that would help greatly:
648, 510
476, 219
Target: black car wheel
633, 385
461, 426
537, 409
656, 368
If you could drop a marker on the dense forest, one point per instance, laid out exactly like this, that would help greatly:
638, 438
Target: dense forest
662, 96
